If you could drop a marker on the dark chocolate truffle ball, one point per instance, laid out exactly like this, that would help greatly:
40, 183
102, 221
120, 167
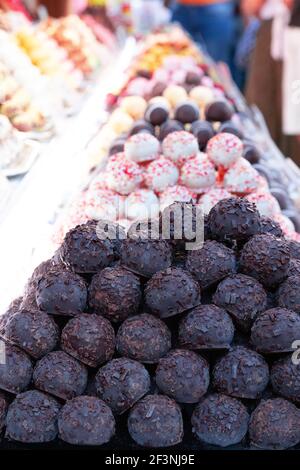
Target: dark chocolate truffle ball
171, 125
275, 330
61, 293
156, 421
84, 251
285, 378
231, 128
275, 424
146, 257
241, 373
89, 338
171, 291
141, 126
121, 383
219, 111
3, 411
220, 420
203, 131
183, 375
294, 249
243, 297
234, 219
32, 418
144, 338
61, 375
251, 153
268, 225
289, 294
211, 263
206, 327
156, 113
187, 112
115, 293
117, 146
294, 268
86, 421
15, 369
34, 332
265, 258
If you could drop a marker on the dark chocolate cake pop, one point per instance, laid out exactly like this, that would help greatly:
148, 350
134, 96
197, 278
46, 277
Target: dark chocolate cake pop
3, 411
141, 126
171, 125
265, 258
171, 291
282, 197
211, 263
146, 257
156, 421
268, 225
34, 332
220, 420
158, 89
285, 378
203, 131
243, 297
121, 383
117, 146
251, 153
156, 113
275, 330
294, 268
275, 424
144, 338
86, 421
32, 418
219, 111
183, 375
187, 112
61, 375
234, 219
241, 373
231, 128
115, 293
84, 251
89, 338
193, 78
15, 369
61, 293
206, 327
289, 293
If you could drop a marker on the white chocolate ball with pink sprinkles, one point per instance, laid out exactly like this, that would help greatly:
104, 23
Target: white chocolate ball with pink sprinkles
198, 173
179, 146
141, 204
161, 174
224, 149
266, 204
211, 198
142, 147
241, 178
104, 204
176, 193
123, 175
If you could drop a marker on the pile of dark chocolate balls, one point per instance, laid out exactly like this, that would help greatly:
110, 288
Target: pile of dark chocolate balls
176, 347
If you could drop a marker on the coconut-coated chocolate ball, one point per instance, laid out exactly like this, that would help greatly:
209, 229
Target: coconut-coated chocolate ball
182, 375
84, 251
144, 338
274, 424
275, 330
146, 257
251, 153
156, 421
187, 112
211, 263
270, 226
220, 420
32, 418
219, 111
34, 332
171, 125
206, 327
294, 249
89, 338
60, 375
115, 293
234, 219
121, 383
15, 369
294, 268
171, 291
156, 113
241, 373
61, 293
230, 128
203, 131
266, 258
86, 421
141, 126
285, 378
289, 294
243, 297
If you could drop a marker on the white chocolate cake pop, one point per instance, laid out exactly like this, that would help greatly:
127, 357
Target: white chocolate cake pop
241, 178
141, 204
179, 146
202, 95
135, 106
103, 204
142, 147
175, 94
266, 204
198, 173
123, 175
174, 194
160, 174
211, 198
224, 149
